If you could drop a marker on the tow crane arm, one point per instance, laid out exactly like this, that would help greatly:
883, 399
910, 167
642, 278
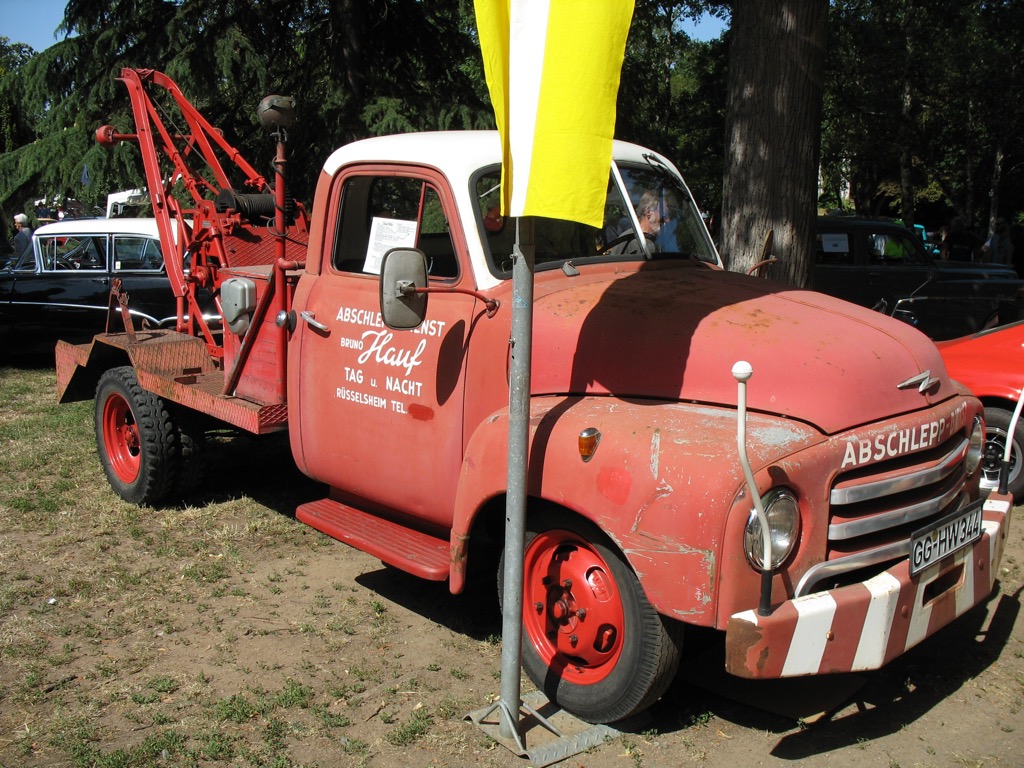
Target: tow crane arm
205, 222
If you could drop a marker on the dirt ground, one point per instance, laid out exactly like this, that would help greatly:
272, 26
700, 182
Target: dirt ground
224, 632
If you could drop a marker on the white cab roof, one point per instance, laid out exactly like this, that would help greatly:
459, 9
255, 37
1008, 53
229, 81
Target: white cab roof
458, 155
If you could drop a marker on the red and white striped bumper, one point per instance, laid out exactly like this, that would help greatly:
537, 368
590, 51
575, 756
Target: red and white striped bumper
865, 626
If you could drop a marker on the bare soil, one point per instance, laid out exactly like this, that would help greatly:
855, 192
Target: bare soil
225, 632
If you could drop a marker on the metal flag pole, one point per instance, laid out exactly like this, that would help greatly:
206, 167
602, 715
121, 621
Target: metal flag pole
534, 66
521, 346
511, 726
520, 342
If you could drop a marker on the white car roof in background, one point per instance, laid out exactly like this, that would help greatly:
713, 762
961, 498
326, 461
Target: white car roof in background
101, 227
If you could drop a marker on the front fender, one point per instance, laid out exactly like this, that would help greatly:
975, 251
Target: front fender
661, 485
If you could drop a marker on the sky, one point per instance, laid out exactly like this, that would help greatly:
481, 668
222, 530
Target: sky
33, 22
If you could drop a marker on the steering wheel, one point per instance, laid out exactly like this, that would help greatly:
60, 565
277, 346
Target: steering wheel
623, 238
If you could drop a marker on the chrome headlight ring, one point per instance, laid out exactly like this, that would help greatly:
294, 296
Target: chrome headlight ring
975, 446
783, 513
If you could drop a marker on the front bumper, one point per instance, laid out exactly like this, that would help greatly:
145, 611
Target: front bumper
864, 626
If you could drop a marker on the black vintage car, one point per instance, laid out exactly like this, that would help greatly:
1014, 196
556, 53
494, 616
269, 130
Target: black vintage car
883, 265
60, 288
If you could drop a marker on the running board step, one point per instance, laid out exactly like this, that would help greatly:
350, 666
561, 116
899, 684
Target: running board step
418, 553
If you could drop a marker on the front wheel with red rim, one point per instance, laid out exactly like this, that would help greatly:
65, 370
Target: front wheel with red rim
135, 438
591, 640
997, 429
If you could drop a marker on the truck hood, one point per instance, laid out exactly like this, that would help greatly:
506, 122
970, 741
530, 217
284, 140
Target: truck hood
674, 332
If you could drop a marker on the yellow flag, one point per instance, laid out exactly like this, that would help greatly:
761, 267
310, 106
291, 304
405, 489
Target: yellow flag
552, 70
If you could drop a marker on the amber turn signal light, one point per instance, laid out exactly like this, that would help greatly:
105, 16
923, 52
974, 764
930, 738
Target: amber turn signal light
589, 438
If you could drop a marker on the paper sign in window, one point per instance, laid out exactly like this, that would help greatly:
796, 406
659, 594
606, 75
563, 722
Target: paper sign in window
839, 243
386, 234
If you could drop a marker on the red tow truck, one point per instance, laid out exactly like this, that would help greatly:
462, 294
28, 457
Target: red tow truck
864, 455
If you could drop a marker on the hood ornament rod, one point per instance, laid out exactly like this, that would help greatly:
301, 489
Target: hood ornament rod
742, 371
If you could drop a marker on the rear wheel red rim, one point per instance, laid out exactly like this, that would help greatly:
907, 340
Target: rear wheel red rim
121, 438
572, 610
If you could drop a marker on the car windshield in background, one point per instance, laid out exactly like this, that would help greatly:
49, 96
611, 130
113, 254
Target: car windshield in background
659, 221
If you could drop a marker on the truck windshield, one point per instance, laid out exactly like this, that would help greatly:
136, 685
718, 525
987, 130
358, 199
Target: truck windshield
659, 221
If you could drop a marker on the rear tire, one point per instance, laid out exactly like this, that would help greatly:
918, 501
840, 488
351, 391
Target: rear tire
192, 452
997, 426
135, 437
591, 640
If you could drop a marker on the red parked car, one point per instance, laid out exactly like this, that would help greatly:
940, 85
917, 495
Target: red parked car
991, 365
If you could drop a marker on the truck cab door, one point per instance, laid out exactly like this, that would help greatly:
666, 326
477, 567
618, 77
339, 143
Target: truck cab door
380, 411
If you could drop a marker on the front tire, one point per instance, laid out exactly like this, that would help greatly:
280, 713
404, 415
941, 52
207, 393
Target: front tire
591, 640
997, 427
135, 437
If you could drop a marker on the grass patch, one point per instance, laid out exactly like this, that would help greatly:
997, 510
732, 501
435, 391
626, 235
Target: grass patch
412, 729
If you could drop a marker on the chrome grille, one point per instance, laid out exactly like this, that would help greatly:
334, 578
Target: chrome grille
873, 510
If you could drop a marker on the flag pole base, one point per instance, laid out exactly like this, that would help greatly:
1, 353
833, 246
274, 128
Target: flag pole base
541, 731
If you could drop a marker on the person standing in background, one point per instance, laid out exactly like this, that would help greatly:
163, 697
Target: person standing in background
999, 248
22, 235
6, 249
1017, 238
961, 244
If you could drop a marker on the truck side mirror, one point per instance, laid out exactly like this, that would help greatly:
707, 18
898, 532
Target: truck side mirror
402, 272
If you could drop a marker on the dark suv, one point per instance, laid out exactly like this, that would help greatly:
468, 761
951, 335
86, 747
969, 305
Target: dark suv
883, 265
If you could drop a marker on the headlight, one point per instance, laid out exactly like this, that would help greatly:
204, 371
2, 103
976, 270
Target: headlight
976, 446
783, 515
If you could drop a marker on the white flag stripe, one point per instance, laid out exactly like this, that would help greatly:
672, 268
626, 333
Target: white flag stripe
527, 39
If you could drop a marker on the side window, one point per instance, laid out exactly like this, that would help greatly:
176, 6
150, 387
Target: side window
28, 258
500, 232
833, 249
135, 253
74, 252
379, 213
435, 238
48, 252
893, 248
907, 245
556, 240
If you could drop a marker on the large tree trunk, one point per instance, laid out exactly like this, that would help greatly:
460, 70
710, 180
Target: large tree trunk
997, 182
907, 120
906, 159
773, 129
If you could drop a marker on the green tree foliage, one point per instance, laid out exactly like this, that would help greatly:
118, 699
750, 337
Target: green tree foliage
16, 122
355, 67
700, 127
924, 110
14, 129
672, 95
